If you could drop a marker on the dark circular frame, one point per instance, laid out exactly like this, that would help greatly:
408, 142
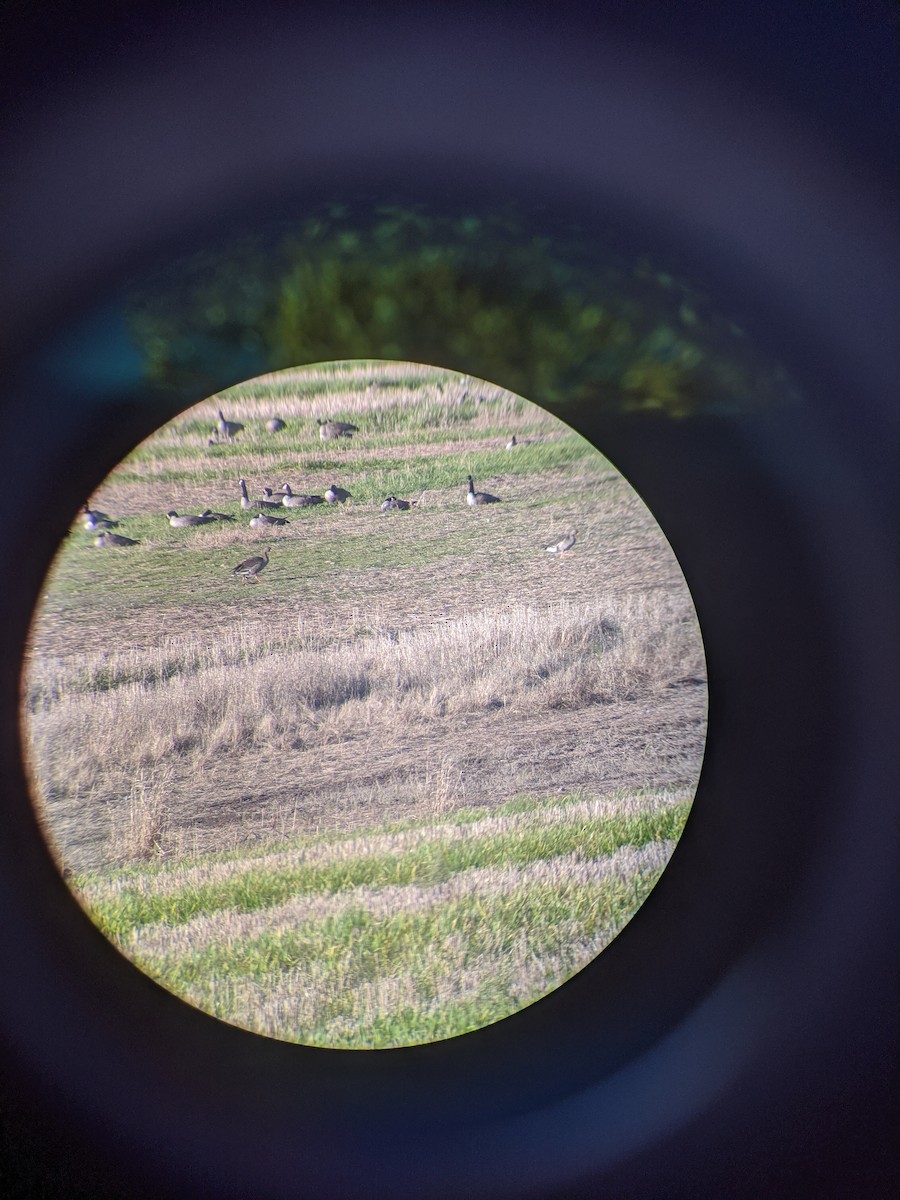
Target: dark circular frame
737, 1037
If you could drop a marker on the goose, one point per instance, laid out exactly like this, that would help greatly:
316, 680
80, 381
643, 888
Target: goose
292, 501
392, 503
93, 522
92, 514
337, 495
565, 545
335, 429
268, 494
179, 522
246, 502
228, 429
275, 425
265, 519
114, 539
215, 516
251, 567
512, 443
474, 497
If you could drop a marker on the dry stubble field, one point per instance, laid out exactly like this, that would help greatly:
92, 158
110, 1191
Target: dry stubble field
404, 703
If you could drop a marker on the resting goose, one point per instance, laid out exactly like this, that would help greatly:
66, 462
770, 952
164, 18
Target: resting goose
265, 519
246, 502
565, 545
337, 495
473, 497
114, 539
292, 501
178, 522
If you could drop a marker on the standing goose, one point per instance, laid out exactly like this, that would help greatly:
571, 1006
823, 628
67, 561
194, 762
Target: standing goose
337, 495
181, 522
228, 429
246, 502
565, 545
473, 497
335, 429
512, 443
265, 519
251, 567
292, 501
114, 539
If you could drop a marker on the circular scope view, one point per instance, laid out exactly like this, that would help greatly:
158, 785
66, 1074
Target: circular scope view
365, 704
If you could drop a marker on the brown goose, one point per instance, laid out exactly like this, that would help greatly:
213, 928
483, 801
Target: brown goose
565, 545
335, 429
228, 429
251, 567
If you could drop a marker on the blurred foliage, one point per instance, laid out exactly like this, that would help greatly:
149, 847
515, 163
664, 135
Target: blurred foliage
552, 318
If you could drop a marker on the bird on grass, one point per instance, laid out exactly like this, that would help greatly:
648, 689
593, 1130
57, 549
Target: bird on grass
92, 514
335, 429
228, 429
246, 502
564, 546
294, 501
251, 567
93, 522
178, 522
114, 539
275, 425
337, 495
265, 519
512, 443
215, 516
392, 504
473, 497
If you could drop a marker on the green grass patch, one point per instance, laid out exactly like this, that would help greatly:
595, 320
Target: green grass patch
428, 864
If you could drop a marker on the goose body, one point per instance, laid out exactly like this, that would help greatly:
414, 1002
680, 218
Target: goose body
92, 514
228, 429
393, 504
246, 502
275, 425
565, 545
215, 516
512, 443
335, 429
114, 539
264, 519
251, 567
473, 497
178, 522
337, 495
293, 501
94, 521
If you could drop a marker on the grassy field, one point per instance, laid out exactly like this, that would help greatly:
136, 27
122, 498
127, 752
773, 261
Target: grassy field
416, 775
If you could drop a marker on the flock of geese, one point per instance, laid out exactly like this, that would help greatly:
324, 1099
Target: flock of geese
264, 509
